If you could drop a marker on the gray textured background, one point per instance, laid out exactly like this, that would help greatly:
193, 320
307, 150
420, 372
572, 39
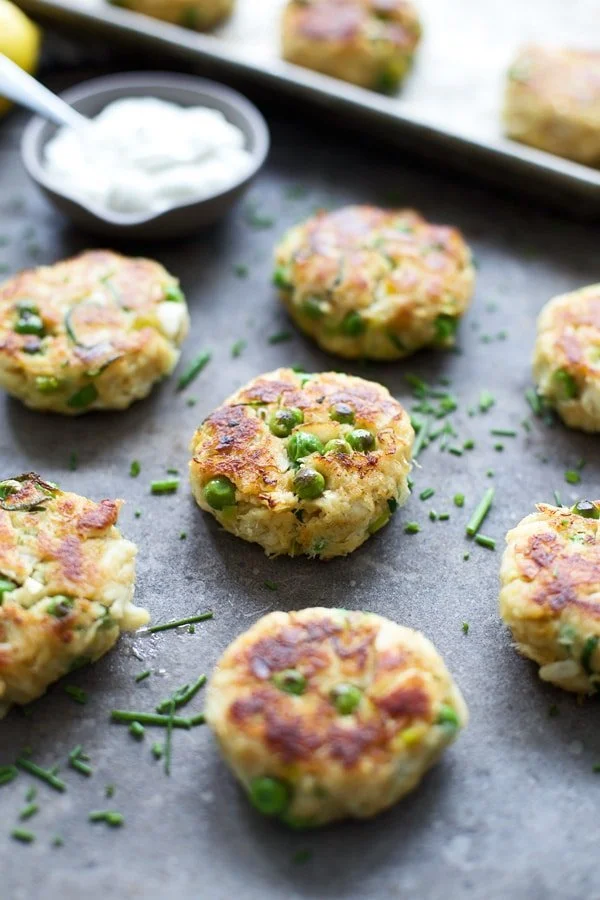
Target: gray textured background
512, 809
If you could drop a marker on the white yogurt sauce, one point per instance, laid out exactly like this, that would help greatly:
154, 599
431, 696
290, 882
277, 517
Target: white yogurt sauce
143, 155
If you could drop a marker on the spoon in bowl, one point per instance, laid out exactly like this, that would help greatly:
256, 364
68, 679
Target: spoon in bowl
21, 88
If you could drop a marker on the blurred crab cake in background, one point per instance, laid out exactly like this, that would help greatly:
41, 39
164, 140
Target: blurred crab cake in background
367, 42
566, 363
550, 597
552, 102
93, 332
304, 464
326, 714
67, 578
365, 282
197, 14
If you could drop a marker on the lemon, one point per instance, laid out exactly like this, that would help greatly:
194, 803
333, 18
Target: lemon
19, 40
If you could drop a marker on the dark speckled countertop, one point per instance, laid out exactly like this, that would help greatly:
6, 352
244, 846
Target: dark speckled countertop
512, 809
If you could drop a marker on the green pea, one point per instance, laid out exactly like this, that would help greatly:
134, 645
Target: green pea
342, 412
448, 716
83, 398
6, 587
337, 446
565, 385
219, 492
291, 681
30, 324
312, 308
269, 796
587, 509
346, 698
302, 444
362, 440
283, 421
308, 483
378, 523
445, 328
353, 324
281, 278
47, 384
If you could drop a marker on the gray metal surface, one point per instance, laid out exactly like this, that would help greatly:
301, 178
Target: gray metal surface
511, 811
450, 105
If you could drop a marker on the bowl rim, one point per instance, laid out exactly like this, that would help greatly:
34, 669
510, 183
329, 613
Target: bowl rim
32, 146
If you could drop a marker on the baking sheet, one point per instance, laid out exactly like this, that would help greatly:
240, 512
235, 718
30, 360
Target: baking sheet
511, 811
450, 105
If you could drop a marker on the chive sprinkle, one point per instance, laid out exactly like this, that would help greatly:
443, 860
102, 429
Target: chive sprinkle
426, 494
480, 512
143, 675
76, 693
421, 440
169, 738
486, 401
443, 517
135, 468
166, 486
465, 627
109, 791
114, 819
31, 794
194, 370
57, 841
182, 696
125, 717
21, 834
80, 766
238, 348
459, 500
157, 751
557, 498
503, 432
28, 811
572, 477
137, 730
8, 774
412, 528
485, 541
279, 337
534, 401
172, 471
43, 774
189, 620
433, 515
270, 585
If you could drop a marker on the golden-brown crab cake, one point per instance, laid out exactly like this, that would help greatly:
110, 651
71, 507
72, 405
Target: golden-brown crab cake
552, 102
550, 597
197, 14
66, 585
93, 332
304, 464
367, 42
326, 714
374, 283
566, 363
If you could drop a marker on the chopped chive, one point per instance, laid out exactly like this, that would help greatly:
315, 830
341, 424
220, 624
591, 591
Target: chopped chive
109, 791
28, 811
581, 464
426, 494
182, 696
21, 834
279, 337
485, 541
165, 486
238, 348
192, 629
124, 717
499, 447
459, 500
480, 512
76, 693
503, 432
271, 585
557, 498
189, 620
143, 675
469, 445
466, 556
194, 370
572, 477
240, 270
137, 730
169, 738
135, 468
421, 440
8, 774
533, 398
183, 535
443, 517
412, 528
114, 819
200, 719
172, 471
157, 750
31, 794
490, 473
465, 627
456, 451
433, 515
137, 513
43, 774
72, 461
486, 401
191, 401
76, 763
57, 841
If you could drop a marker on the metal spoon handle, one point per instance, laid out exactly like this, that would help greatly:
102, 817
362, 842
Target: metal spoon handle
17, 85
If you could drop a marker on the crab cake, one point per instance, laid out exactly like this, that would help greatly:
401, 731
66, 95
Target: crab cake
550, 597
66, 585
367, 42
197, 14
326, 714
566, 364
93, 332
304, 464
374, 283
552, 102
